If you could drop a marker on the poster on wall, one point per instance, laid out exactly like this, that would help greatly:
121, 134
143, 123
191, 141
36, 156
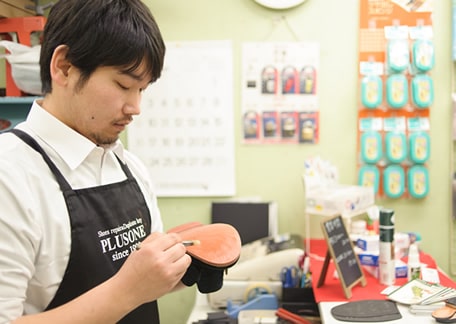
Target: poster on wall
279, 92
185, 131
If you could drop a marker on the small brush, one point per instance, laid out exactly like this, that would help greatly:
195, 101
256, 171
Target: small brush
191, 242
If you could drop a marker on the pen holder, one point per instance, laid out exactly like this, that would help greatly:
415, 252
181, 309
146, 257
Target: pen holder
300, 301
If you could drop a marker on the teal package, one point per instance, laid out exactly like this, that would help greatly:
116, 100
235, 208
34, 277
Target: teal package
395, 147
418, 181
398, 55
371, 147
396, 90
423, 55
371, 91
422, 90
394, 181
369, 176
420, 147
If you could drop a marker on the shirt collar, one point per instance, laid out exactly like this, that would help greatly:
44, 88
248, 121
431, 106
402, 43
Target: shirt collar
71, 146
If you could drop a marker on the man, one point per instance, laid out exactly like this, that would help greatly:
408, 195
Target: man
75, 204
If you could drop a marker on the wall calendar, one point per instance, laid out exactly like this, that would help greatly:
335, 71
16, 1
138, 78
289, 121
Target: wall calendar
184, 133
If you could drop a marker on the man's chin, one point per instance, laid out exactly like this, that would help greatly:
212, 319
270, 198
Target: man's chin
105, 141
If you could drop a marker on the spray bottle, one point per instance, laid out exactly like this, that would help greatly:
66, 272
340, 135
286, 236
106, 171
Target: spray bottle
387, 263
413, 264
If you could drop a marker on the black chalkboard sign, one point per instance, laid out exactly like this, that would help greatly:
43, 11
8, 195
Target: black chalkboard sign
340, 249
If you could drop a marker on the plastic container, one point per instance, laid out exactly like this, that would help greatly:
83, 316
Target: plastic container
398, 55
396, 147
418, 181
419, 147
396, 91
371, 91
394, 181
413, 263
423, 55
422, 91
369, 176
371, 147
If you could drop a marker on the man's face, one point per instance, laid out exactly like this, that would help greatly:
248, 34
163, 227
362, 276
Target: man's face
104, 105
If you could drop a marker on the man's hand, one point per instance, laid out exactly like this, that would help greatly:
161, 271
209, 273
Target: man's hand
155, 269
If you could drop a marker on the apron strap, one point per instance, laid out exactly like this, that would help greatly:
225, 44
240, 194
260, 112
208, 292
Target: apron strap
64, 185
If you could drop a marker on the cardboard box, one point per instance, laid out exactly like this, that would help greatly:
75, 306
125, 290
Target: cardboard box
15, 8
368, 243
345, 200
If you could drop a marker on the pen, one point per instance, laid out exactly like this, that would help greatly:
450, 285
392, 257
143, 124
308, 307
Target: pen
306, 265
186, 243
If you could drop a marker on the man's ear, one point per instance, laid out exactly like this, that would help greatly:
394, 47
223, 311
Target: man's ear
60, 66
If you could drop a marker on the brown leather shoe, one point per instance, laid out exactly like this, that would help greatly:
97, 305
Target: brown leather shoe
219, 243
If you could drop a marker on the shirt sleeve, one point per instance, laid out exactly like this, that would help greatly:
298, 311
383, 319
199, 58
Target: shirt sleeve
19, 241
35, 238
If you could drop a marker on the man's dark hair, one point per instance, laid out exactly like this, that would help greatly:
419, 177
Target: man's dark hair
121, 33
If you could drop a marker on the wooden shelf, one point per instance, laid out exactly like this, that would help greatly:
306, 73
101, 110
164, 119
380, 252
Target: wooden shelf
15, 8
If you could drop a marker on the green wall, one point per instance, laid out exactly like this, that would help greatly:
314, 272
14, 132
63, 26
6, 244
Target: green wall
273, 172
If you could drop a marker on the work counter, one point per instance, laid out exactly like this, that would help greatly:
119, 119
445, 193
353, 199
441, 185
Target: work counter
331, 293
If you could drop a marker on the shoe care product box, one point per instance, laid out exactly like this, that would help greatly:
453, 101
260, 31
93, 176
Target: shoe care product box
367, 249
368, 258
368, 242
400, 269
370, 262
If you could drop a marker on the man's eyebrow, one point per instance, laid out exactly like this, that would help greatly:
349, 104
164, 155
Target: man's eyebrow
136, 76
131, 74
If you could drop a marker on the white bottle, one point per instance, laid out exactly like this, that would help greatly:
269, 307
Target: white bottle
413, 264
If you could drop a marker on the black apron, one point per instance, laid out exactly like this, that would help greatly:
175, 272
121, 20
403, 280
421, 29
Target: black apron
107, 222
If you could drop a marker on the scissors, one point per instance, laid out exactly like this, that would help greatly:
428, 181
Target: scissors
290, 276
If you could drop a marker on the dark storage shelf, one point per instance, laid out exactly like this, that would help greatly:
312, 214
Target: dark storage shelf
17, 100
15, 109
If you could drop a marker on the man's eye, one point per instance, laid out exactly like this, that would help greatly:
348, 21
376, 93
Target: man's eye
122, 86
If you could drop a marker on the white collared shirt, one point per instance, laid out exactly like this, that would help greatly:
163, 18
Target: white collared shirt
35, 236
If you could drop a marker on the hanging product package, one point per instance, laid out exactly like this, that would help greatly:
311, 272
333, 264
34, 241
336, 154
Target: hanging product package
25, 68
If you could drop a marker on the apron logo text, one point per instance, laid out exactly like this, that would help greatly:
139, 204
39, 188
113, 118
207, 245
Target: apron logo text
122, 240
